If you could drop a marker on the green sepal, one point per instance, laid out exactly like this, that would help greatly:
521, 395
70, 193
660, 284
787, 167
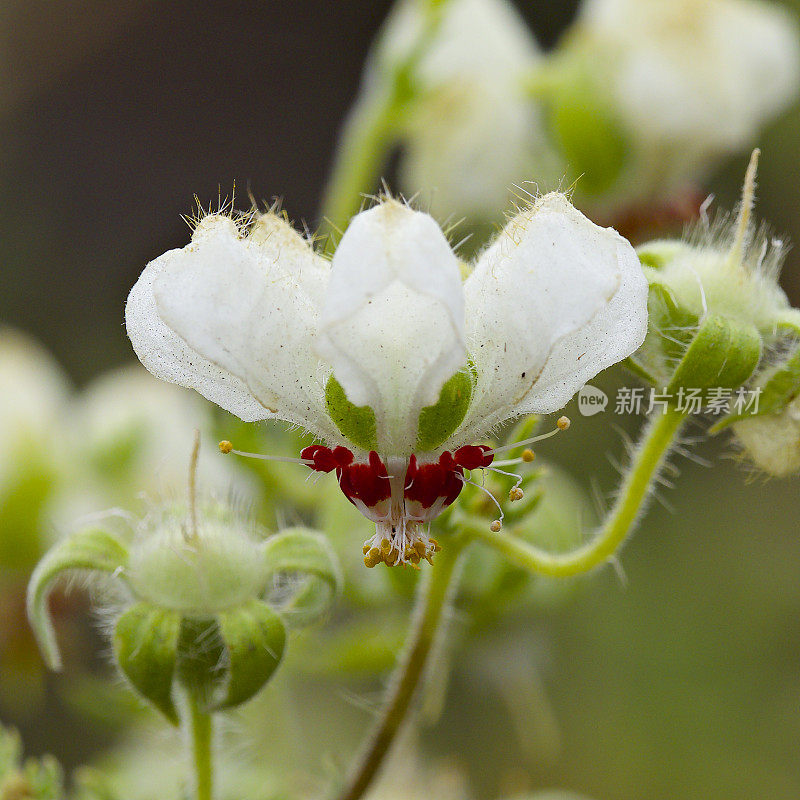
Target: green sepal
305, 553
724, 353
90, 550
437, 423
669, 334
779, 385
201, 666
356, 423
254, 638
145, 648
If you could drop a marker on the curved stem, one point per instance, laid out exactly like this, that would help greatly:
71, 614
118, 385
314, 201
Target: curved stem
431, 603
201, 729
656, 441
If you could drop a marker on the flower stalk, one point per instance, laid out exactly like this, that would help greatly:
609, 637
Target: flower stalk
201, 730
432, 600
658, 438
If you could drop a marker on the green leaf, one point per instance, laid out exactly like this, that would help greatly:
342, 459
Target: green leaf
724, 353
93, 550
308, 555
145, 647
254, 637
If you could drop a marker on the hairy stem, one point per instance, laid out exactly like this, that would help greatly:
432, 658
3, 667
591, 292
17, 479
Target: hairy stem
429, 612
201, 731
656, 441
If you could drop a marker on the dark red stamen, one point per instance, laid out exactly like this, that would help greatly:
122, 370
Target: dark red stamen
473, 456
326, 460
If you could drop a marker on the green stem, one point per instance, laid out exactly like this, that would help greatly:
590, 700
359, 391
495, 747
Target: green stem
432, 600
373, 128
368, 134
201, 730
656, 441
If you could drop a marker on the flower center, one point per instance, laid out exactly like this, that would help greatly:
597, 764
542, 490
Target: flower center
401, 496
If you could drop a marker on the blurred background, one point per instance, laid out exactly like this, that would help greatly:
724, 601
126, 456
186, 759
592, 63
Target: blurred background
681, 680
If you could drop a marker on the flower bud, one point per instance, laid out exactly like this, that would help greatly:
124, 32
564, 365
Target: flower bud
203, 614
715, 304
772, 441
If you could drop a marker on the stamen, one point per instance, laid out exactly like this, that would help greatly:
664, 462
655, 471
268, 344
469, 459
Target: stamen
496, 526
561, 425
226, 447
516, 494
507, 474
488, 493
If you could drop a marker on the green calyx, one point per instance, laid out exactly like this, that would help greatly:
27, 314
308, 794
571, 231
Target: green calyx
222, 661
437, 423
356, 423
684, 352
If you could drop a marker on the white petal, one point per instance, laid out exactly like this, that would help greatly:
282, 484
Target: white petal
547, 289
393, 321
234, 319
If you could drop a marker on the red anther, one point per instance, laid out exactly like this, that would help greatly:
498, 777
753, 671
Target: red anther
324, 459
473, 456
343, 456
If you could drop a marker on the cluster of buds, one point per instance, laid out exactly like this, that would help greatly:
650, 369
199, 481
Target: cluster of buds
201, 599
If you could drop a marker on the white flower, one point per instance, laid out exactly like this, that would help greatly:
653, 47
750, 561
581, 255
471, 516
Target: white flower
705, 73
472, 132
383, 353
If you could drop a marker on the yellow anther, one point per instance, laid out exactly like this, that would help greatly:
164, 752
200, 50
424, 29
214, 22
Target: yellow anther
562, 423
495, 526
373, 557
386, 547
420, 549
516, 494
366, 549
435, 546
225, 446
528, 455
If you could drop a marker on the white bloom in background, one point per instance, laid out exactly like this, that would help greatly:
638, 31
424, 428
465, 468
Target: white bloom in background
135, 434
383, 353
34, 389
472, 133
707, 74
33, 392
